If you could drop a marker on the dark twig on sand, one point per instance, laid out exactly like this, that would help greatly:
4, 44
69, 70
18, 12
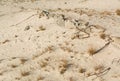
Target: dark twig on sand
102, 48
24, 20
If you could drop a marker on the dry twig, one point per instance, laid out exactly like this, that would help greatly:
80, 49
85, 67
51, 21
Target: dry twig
23, 20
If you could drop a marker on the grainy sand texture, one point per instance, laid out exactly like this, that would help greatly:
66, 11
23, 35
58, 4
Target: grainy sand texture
59, 40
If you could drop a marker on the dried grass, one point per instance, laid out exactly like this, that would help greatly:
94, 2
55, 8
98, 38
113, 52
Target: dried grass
91, 51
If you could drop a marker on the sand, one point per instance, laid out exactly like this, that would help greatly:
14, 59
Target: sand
60, 40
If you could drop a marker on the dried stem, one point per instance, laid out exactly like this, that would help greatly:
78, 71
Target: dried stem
24, 20
102, 48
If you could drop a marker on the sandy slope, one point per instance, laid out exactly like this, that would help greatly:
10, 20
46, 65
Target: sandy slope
60, 40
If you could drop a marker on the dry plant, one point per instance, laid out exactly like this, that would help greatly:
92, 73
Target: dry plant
23, 60
14, 66
82, 70
49, 49
91, 51
81, 33
99, 68
118, 12
63, 70
64, 66
88, 74
27, 28
25, 73
43, 64
44, 13
66, 49
41, 28
102, 36
16, 36
102, 72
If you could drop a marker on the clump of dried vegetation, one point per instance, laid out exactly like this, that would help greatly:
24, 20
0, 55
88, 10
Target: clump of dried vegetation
14, 66
102, 36
41, 28
49, 49
23, 60
43, 64
66, 49
64, 66
91, 51
25, 73
99, 68
82, 70
118, 12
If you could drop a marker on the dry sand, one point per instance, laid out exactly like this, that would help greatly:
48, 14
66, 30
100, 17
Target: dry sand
60, 40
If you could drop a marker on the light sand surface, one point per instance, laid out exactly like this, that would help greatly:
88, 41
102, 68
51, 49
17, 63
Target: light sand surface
59, 40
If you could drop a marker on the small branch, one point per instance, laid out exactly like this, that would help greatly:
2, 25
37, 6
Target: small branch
101, 73
102, 48
24, 20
